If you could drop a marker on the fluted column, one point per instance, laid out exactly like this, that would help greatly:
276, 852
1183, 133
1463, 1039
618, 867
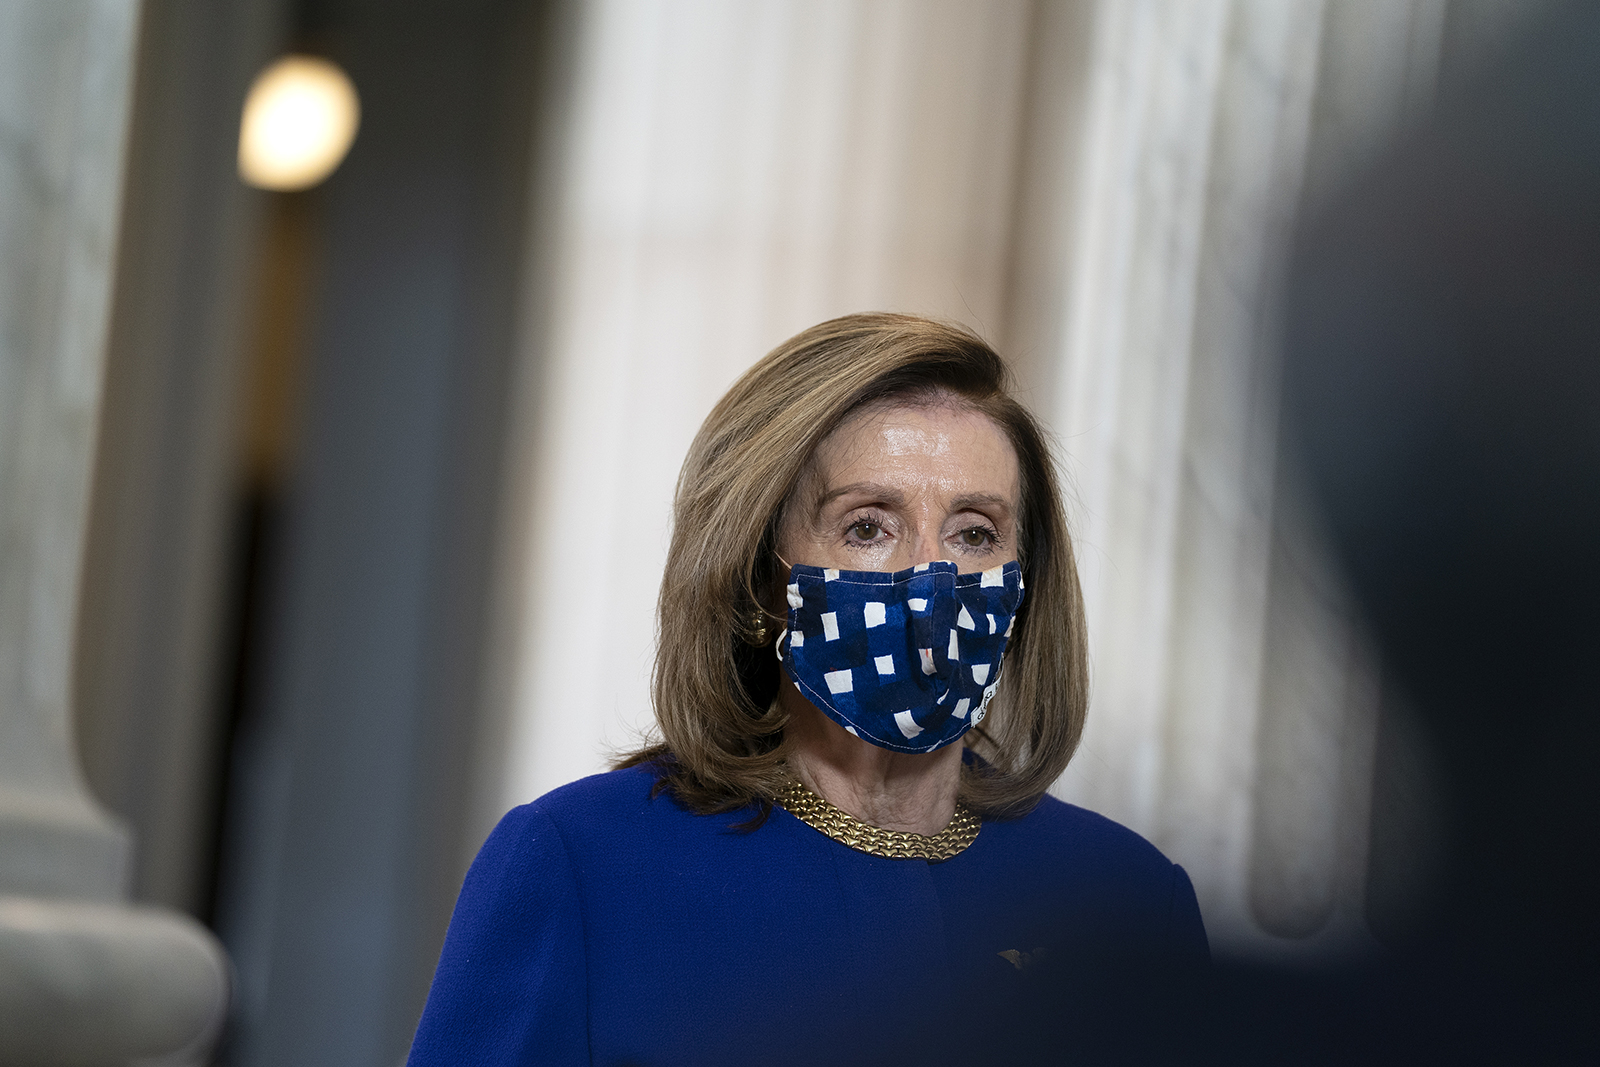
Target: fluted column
84, 977
1233, 710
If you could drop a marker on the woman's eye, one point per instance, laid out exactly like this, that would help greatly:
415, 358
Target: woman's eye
866, 531
977, 537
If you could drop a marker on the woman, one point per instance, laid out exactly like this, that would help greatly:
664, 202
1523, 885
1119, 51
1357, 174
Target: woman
842, 850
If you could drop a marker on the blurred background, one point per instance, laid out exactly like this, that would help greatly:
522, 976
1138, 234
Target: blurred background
338, 434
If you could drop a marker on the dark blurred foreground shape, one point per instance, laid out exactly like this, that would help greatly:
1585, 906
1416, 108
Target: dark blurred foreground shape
1442, 400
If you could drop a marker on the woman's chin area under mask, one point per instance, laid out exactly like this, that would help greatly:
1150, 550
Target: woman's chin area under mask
911, 792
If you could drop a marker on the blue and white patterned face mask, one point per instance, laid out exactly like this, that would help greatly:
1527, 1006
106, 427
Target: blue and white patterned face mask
907, 660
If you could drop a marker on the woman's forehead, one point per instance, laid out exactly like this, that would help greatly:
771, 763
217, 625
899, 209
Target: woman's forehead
951, 441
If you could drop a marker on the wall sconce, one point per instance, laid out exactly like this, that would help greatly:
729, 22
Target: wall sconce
300, 118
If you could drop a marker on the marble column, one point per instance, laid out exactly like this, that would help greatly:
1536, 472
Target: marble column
1233, 710
85, 978
1195, 145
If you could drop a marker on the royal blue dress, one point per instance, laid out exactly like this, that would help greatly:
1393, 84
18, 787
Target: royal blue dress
601, 925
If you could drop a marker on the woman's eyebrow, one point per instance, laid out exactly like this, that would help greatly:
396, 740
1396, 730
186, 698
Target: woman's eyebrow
980, 501
894, 498
888, 494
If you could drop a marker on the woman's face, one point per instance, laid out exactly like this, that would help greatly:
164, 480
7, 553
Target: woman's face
896, 486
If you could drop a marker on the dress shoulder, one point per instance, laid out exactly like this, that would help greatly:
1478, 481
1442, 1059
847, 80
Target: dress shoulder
1108, 869
1071, 826
626, 789
509, 988
620, 802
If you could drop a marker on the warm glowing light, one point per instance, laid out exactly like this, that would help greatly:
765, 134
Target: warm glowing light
299, 120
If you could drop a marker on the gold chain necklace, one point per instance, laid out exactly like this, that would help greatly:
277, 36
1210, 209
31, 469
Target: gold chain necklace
819, 814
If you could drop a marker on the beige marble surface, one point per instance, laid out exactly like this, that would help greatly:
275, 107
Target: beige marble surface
64, 75
1197, 137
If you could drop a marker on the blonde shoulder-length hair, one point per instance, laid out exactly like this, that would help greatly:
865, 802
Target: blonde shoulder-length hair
722, 733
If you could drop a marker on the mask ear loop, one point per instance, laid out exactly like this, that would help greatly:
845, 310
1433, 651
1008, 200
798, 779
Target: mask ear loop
777, 646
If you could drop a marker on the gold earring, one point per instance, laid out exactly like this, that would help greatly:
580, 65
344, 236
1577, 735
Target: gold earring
760, 629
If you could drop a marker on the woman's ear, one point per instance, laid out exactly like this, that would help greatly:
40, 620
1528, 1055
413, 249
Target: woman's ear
761, 622
775, 599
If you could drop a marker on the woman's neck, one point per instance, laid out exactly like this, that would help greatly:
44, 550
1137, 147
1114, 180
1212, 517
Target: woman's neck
915, 793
